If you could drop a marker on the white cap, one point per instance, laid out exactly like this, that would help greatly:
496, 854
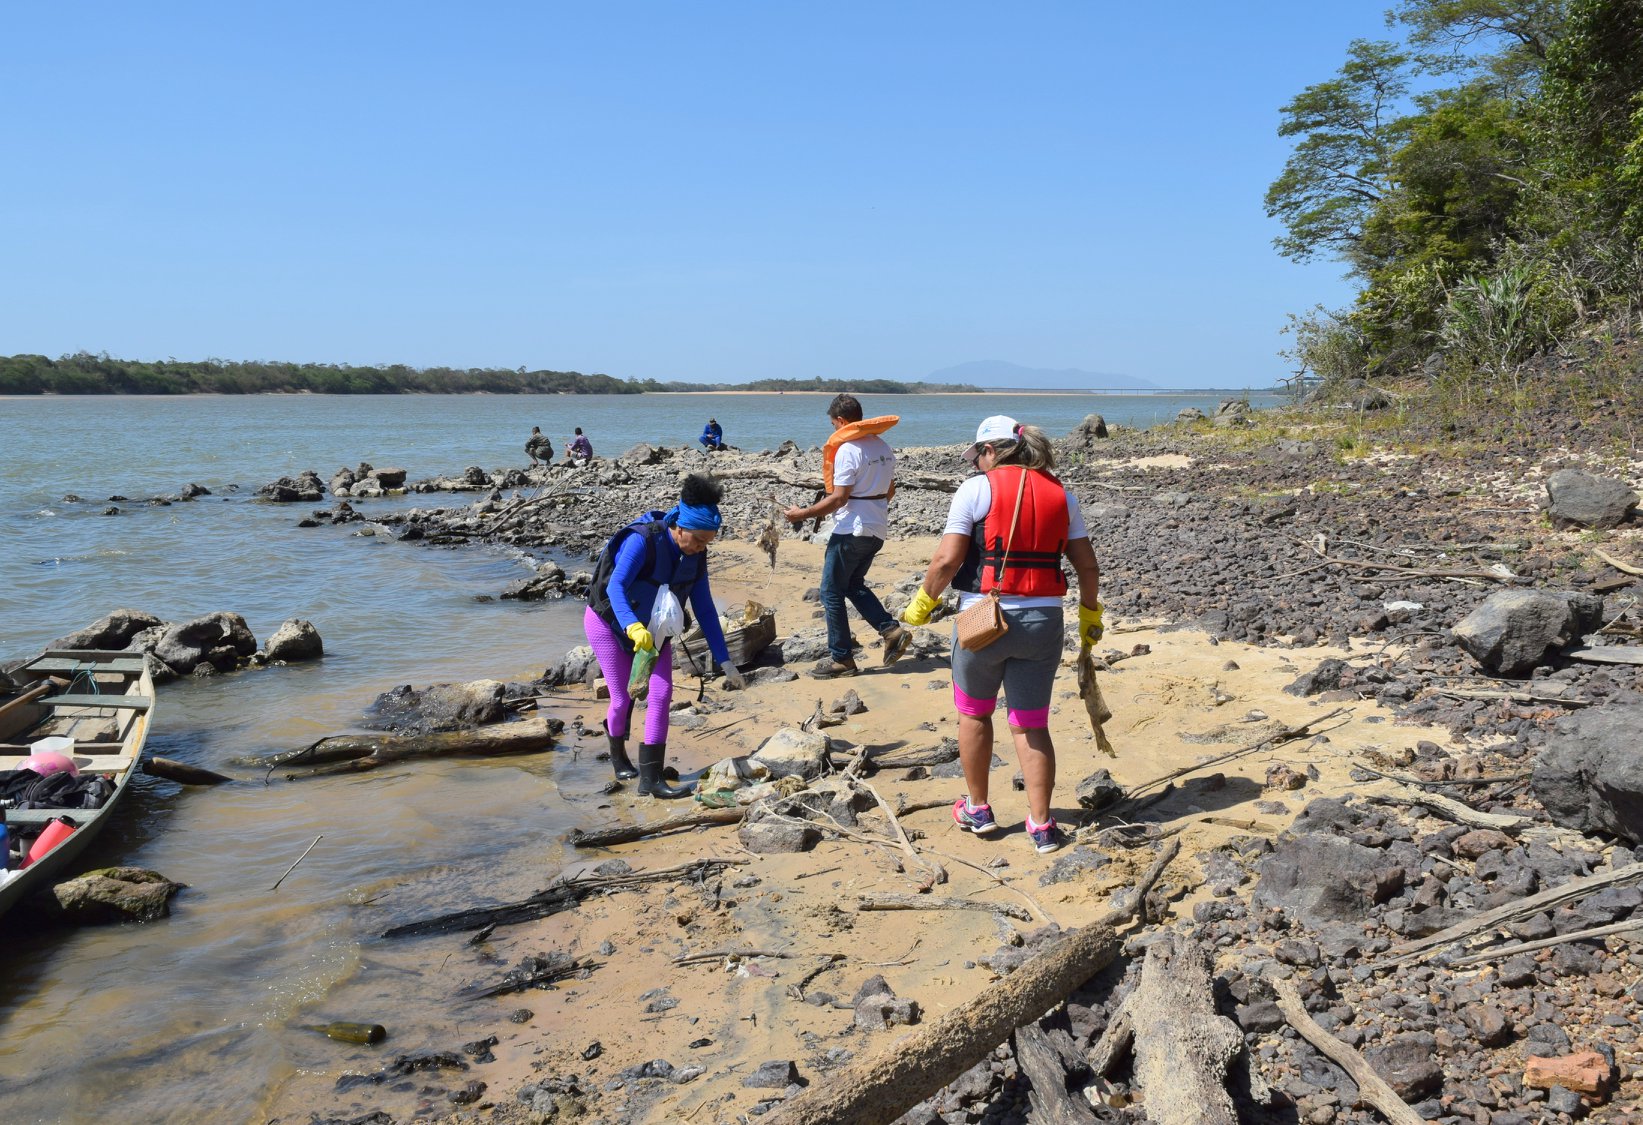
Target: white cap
998, 428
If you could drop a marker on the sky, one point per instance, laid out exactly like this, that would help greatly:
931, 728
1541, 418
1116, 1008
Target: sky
705, 191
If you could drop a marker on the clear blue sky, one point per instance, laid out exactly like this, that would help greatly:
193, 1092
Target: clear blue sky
676, 190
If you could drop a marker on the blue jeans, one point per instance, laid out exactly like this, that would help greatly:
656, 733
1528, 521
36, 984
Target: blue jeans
844, 575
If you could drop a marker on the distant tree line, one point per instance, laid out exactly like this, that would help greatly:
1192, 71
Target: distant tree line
87, 374
1482, 179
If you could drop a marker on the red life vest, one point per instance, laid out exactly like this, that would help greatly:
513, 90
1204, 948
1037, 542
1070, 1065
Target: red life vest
1033, 568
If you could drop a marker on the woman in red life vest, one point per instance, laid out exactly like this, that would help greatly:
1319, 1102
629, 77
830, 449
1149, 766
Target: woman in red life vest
1014, 490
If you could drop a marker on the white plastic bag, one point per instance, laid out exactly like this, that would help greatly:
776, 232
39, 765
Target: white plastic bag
667, 617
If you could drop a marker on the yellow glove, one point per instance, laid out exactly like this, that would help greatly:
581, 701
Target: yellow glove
919, 609
640, 636
1089, 624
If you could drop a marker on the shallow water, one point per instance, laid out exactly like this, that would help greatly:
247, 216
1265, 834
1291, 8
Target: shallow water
195, 1018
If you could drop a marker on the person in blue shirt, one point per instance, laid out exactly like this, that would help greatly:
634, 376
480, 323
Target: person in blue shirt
713, 436
664, 549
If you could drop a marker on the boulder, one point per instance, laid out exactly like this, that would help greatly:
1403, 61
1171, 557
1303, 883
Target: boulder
641, 454
295, 639
1590, 775
1406, 1063
1189, 414
1233, 412
390, 478
1512, 630
112, 633
306, 489
1361, 396
113, 894
1577, 499
405, 710
803, 647
1089, 432
1320, 878
766, 837
1099, 790
190, 491
219, 639
791, 752
575, 667
341, 481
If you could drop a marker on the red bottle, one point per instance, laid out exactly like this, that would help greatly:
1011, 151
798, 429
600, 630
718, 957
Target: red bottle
55, 832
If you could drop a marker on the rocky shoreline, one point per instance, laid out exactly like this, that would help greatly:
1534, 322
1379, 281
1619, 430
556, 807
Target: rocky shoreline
1431, 592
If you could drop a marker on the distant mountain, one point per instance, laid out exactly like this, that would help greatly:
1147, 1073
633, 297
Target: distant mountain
997, 373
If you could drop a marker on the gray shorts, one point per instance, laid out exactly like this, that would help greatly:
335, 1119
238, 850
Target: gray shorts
1022, 662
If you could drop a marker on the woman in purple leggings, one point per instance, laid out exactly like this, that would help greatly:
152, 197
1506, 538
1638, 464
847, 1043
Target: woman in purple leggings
658, 549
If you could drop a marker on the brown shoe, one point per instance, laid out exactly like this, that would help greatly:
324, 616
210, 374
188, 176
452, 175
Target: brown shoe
832, 669
896, 643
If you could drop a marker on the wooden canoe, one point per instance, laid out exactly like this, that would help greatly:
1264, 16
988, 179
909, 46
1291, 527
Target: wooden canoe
102, 700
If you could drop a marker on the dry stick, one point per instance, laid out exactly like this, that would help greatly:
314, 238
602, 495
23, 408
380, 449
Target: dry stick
1288, 734
1522, 908
1624, 568
1405, 779
717, 729
300, 858
938, 874
1546, 943
1450, 809
1032, 903
741, 954
626, 833
904, 806
930, 902
879, 1089
1371, 1086
796, 991
1515, 696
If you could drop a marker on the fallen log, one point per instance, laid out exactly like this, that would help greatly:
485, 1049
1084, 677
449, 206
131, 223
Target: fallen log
350, 753
905, 758
1182, 1048
877, 1090
627, 833
564, 894
1047, 1058
931, 902
1450, 809
1372, 1088
182, 772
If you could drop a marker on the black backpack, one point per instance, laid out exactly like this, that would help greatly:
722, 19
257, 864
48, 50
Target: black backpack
650, 525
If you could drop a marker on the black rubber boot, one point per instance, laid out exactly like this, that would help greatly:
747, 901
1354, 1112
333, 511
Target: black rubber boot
651, 783
619, 761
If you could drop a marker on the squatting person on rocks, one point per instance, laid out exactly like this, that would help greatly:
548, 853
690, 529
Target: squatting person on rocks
658, 549
538, 446
1007, 530
580, 450
858, 471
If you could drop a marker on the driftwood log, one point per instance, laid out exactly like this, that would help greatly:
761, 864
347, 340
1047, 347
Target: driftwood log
1371, 1086
181, 772
563, 894
1182, 1048
352, 753
877, 1090
627, 833
933, 902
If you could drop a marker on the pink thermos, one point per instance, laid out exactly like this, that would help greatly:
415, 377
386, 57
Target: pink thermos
54, 833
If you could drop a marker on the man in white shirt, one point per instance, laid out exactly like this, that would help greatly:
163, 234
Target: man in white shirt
858, 472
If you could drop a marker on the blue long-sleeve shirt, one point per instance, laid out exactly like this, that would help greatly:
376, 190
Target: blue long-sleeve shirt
712, 434
633, 592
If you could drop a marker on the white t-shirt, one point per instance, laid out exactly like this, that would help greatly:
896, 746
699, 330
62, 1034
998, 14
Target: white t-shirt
867, 464
971, 503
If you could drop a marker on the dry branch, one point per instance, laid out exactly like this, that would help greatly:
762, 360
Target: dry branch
1546, 943
931, 902
1371, 1086
627, 833
350, 753
1043, 1057
1624, 568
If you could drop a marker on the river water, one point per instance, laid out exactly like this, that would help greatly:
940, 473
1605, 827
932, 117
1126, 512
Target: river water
197, 1017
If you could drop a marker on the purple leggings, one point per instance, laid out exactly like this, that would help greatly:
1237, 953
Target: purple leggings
617, 665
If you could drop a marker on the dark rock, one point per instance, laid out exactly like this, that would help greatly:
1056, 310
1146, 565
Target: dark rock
438, 707
1512, 630
1071, 863
1320, 878
578, 666
1590, 776
220, 639
1099, 790
1407, 1064
113, 894
294, 640
1577, 499
1259, 1015
1327, 676
112, 633
776, 1074
765, 837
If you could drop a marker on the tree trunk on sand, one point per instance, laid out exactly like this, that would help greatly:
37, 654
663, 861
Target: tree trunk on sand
351, 753
1182, 1048
877, 1090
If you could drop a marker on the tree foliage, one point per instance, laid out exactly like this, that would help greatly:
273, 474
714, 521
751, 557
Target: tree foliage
1487, 218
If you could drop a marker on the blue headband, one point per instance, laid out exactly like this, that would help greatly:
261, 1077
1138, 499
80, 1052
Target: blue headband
694, 517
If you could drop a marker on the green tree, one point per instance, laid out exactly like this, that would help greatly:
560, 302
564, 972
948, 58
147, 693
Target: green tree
1341, 168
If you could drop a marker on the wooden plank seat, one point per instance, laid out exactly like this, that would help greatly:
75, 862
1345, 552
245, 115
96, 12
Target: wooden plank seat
124, 702
61, 666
